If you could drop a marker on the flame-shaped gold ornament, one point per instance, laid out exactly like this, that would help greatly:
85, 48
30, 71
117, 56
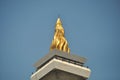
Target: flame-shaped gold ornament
59, 42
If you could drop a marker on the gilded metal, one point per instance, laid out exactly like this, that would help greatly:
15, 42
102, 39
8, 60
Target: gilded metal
59, 42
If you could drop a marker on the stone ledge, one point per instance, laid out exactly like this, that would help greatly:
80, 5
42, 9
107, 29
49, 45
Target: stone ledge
63, 66
61, 75
55, 52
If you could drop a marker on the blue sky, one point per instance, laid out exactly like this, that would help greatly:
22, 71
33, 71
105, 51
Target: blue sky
92, 29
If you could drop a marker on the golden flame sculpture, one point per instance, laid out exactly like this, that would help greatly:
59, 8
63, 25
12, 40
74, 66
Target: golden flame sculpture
59, 42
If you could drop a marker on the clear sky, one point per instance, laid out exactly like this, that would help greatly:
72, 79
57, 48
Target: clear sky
92, 29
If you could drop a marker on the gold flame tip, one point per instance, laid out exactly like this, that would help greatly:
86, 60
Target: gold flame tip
59, 42
58, 20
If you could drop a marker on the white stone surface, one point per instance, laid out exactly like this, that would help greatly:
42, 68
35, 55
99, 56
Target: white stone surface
61, 65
